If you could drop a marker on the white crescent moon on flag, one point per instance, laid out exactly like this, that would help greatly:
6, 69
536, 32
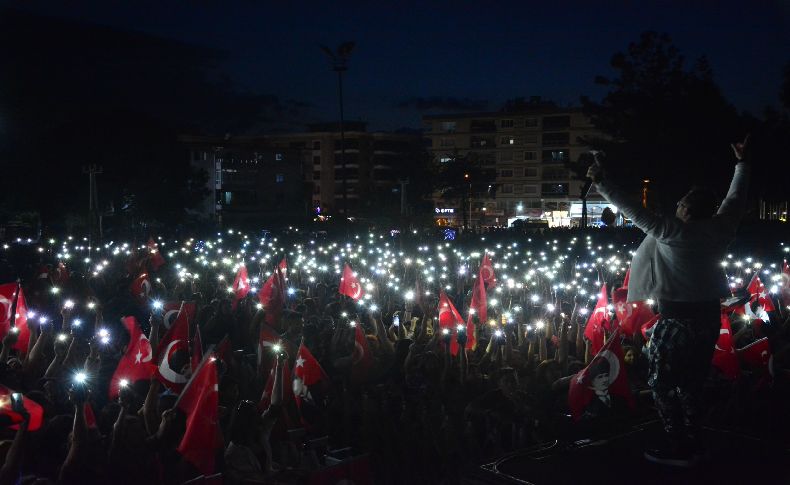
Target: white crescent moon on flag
7, 305
169, 316
146, 287
357, 289
614, 365
166, 371
487, 271
147, 344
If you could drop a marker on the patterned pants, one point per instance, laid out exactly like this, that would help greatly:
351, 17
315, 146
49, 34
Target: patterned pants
680, 352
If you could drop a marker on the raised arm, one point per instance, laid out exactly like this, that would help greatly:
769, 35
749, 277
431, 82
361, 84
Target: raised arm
734, 205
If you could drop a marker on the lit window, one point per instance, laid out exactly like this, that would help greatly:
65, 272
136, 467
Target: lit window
278, 156
279, 178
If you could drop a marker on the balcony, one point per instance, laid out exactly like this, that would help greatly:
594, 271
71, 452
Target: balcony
482, 126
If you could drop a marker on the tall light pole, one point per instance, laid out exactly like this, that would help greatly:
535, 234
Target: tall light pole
339, 61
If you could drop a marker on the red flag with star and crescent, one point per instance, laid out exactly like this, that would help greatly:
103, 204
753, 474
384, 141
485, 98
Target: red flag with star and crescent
272, 297
241, 285
594, 331
759, 294
9, 293
631, 315
307, 372
785, 284
141, 288
487, 272
604, 378
200, 402
449, 318
172, 354
724, 356
137, 362
349, 284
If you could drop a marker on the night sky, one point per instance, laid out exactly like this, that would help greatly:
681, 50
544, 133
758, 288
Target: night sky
414, 58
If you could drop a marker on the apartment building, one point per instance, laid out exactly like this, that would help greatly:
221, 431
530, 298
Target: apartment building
299, 175
528, 148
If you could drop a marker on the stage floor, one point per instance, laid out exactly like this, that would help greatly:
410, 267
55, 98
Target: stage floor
732, 458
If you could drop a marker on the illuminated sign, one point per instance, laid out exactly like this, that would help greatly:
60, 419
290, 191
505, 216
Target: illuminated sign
445, 211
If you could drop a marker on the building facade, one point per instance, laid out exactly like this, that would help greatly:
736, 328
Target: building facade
529, 149
301, 175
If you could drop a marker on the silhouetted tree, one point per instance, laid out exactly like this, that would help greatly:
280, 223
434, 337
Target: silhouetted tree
664, 120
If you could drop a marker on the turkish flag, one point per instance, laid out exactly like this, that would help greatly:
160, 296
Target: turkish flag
604, 380
170, 311
362, 360
172, 354
349, 284
307, 372
630, 315
200, 402
283, 266
141, 288
487, 272
724, 357
756, 288
449, 318
9, 293
272, 297
594, 331
756, 355
241, 285
33, 409
650, 324
478, 306
155, 260
137, 362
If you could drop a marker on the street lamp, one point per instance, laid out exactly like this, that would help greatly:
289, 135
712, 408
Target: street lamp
339, 60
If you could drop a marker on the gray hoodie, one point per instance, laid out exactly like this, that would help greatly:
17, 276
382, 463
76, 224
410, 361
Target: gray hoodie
681, 261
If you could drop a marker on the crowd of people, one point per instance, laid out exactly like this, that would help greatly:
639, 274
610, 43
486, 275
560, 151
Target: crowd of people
366, 358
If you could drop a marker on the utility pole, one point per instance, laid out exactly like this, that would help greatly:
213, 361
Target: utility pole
94, 219
339, 61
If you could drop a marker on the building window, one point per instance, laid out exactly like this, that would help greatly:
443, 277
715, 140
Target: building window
518, 172
316, 160
447, 142
531, 138
556, 139
531, 122
555, 156
518, 189
506, 123
279, 178
316, 144
507, 188
507, 140
555, 173
505, 156
278, 156
316, 189
531, 190
530, 172
316, 175
506, 173
445, 159
554, 189
530, 155
448, 126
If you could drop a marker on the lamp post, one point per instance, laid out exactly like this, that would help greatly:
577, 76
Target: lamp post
339, 60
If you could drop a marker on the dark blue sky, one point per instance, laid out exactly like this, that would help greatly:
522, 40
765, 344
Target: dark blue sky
470, 52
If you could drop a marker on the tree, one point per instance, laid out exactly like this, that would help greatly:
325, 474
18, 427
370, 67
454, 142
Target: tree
465, 178
664, 120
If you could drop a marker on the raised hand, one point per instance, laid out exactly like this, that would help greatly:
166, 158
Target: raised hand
741, 150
